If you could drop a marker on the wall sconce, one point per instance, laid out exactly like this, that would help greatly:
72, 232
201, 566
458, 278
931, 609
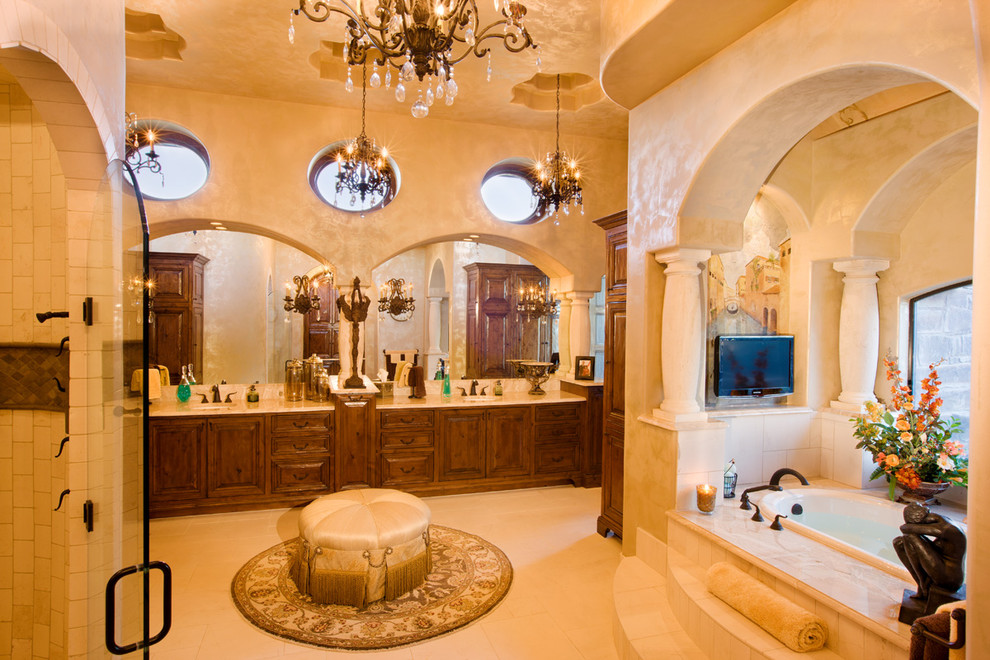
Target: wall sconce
136, 137
305, 299
396, 299
534, 303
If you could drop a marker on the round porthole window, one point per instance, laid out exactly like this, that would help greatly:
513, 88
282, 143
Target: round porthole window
356, 193
183, 160
507, 191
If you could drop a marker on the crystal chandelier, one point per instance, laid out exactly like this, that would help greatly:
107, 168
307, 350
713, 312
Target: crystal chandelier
558, 180
135, 138
535, 302
305, 299
362, 168
396, 299
418, 38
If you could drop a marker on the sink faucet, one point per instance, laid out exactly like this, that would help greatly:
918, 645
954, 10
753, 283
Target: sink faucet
474, 388
775, 478
216, 393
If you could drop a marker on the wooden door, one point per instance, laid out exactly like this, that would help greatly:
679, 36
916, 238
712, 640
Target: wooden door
462, 444
236, 456
354, 451
170, 340
612, 481
320, 327
510, 447
615, 362
494, 316
178, 459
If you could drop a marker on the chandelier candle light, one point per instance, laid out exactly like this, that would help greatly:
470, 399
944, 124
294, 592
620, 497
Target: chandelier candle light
534, 302
362, 168
418, 38
305, 298
558, 180
396, 299
135, 139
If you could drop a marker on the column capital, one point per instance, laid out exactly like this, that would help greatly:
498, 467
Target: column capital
579, 297
682, 260
861, 267
435, 299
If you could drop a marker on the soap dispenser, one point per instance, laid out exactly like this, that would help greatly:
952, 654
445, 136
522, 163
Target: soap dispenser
498, 388
183, 392
445, 392
252, 395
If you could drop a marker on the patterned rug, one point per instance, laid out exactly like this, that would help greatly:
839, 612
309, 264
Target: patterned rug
470, 577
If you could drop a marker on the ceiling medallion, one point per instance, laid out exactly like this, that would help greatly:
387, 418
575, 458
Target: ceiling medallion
535, 302
558, 180
396, 299
136, 137
362, 168
418, 38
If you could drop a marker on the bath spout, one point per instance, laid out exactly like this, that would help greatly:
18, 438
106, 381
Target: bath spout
775, 478
744, 499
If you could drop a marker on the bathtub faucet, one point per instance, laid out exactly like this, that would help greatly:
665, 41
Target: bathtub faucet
775, 479
744, 499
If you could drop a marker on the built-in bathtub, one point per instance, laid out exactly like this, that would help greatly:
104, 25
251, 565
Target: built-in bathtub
857, 524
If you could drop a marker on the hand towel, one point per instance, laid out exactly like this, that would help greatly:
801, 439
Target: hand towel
923, 648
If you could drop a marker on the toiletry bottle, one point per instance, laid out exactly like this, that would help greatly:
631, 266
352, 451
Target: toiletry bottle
183, 392
192, 378
498, 388
439, 374
252, 395
445, 392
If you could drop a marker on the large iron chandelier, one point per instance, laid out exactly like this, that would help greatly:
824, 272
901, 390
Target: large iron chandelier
396, 299
418, 38
558, 180
136, 137
362, 168
536, 302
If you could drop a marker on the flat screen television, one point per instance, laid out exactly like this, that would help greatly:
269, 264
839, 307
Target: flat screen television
754, 365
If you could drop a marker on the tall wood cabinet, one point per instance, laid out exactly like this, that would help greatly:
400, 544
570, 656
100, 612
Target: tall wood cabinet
614, 395
177, 331
320, 328
496, 332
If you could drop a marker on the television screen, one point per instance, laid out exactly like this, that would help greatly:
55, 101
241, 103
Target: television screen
754, 365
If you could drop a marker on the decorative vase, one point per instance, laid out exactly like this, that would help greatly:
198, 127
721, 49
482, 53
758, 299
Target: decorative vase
536, 373
925, 493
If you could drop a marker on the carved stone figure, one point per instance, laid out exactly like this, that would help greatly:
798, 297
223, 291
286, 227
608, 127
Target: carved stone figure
932, 548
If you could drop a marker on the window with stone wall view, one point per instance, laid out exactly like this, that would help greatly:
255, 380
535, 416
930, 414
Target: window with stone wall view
941, 328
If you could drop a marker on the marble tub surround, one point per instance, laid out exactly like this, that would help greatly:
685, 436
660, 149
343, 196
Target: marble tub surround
858, 602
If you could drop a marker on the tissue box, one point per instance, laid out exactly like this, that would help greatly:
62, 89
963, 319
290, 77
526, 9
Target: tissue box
385, 388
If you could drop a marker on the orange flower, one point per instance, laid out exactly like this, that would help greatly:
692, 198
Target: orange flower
892, 460
905, 437
902, 424
880, 457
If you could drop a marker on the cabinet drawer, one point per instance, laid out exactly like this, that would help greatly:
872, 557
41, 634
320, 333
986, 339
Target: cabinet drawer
296, 476
297, 423
556, 458
557, 413
397, 418
401, 439
294, 444
399, 469
557, 432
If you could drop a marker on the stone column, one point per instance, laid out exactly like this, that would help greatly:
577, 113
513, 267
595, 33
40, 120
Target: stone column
433, 352
579, 331
859, 332
566, 369
683, 335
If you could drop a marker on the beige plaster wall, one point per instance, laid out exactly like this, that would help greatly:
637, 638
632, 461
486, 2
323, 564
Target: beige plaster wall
261, 149
33, 555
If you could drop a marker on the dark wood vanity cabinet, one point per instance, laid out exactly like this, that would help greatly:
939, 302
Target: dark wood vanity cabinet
462, 444
508, 442
176, 335
301, 459
406, 448
178, 460
614, 397
236, 458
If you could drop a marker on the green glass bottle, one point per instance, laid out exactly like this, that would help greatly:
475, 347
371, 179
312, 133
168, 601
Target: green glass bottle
445, 393
183, 392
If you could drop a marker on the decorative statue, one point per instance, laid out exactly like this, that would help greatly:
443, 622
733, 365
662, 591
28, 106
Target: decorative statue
355, 312
932, 548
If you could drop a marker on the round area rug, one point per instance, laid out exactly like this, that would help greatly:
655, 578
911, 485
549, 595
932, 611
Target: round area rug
470, 576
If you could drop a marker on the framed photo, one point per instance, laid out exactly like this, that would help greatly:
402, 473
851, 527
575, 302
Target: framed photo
584, 367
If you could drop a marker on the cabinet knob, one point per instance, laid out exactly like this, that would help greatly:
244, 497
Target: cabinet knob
405, 470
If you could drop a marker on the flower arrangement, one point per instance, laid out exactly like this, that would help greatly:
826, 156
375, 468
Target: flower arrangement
910, 441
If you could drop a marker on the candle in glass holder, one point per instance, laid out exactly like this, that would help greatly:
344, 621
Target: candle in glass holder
706, 498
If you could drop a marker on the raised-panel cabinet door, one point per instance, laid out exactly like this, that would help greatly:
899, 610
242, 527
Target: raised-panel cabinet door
612, 484
236, 456
462, 444
178, 459
354, 419
171, 280
170, 341
615, 361
510, 445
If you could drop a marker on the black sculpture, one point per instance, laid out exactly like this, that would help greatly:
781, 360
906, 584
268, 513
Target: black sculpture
932, 548
355, 312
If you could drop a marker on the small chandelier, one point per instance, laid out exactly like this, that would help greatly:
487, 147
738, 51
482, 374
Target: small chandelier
417, 38
558, 180
396, 299
535, 302
305, 298
135, 138
362, 168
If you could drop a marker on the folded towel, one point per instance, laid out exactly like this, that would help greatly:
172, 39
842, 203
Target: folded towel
954, 654
402, 374
163, 370
797, 628
154, 383
923, 648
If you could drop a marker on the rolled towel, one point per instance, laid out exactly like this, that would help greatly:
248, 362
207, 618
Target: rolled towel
797, 628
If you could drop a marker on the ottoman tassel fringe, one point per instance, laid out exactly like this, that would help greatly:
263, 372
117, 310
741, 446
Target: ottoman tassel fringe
406, 576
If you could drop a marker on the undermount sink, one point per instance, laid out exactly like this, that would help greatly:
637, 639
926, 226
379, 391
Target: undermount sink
214, 406
478, 398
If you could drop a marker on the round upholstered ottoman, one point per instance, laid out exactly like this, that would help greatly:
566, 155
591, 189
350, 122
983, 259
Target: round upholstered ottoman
359, 546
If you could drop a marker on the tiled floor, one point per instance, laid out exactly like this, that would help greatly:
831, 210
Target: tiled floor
559, 606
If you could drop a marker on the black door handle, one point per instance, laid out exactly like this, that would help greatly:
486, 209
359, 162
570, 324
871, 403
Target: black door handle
111, 611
